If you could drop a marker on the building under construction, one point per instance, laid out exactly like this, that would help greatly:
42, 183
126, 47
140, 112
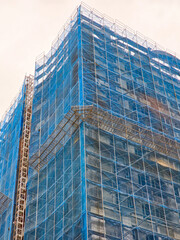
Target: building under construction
90, 149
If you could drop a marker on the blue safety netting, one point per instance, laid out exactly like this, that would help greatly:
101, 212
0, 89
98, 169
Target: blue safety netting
102, 184
10, 134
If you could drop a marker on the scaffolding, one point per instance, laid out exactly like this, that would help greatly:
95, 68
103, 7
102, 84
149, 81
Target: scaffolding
105, 128
59, 137
4, 202
104, 152
10, 132
107, 122
133, 132
22, 178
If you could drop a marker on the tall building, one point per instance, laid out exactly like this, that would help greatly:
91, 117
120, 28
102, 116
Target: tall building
103, 160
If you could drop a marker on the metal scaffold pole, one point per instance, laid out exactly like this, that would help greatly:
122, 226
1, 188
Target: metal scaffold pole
22, 177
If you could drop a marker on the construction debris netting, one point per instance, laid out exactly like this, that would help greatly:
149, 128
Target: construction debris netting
102, 183
111, 170
10, 134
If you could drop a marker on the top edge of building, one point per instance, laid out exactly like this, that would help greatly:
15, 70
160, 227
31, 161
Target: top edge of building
106, 22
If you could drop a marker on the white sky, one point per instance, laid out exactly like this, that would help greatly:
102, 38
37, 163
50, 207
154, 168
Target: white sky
28, 27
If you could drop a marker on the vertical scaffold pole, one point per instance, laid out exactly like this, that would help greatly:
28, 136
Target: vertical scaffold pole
22, 177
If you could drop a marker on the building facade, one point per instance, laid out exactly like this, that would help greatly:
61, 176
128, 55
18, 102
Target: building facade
105, 138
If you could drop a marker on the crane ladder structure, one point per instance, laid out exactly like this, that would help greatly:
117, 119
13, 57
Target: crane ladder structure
22, 177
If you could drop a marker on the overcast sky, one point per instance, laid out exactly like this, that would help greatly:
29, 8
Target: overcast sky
28, 27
